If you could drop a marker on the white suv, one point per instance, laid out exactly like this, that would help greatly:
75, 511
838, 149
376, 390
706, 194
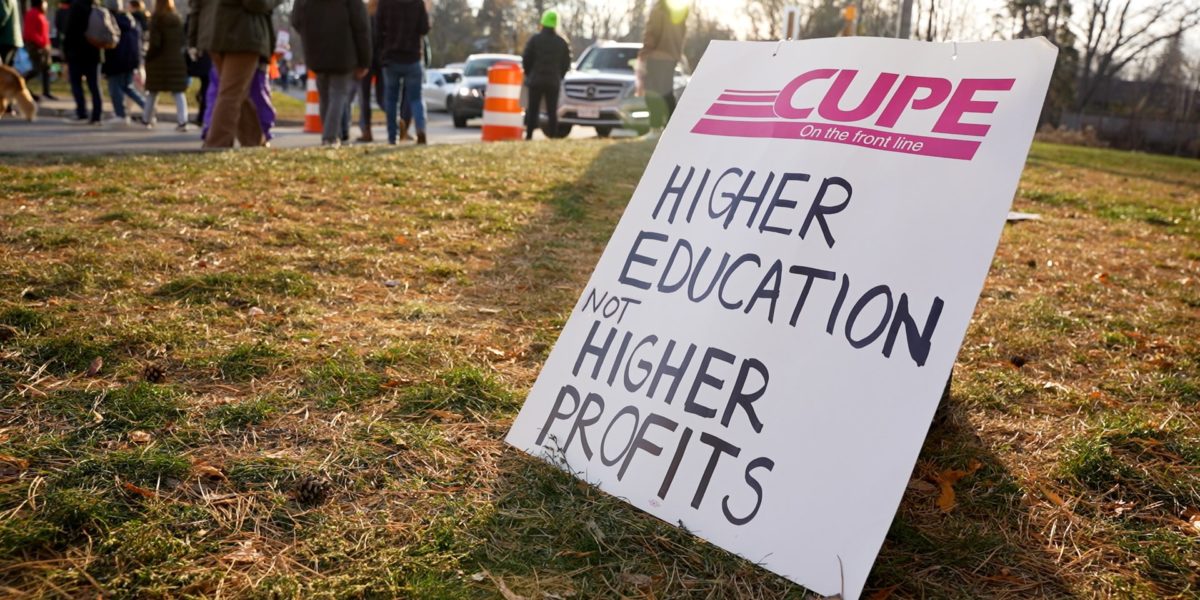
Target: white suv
598, 91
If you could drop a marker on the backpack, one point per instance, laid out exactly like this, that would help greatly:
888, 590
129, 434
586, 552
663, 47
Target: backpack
102, 30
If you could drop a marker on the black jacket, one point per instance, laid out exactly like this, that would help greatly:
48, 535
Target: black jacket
127, 56
335, 34
78, 50
401, 25
546, 59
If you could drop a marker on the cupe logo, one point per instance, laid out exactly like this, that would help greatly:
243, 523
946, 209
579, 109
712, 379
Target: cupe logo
960, 108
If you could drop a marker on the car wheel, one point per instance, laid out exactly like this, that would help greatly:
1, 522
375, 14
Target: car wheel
460, 121
564, 129
604, 131
450, 104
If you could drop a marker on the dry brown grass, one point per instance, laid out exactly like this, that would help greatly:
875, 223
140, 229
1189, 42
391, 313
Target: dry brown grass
372, 318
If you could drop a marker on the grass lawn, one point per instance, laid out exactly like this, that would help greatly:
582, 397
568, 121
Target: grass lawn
195, 348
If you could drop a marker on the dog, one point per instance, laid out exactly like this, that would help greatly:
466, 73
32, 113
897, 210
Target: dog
12, 89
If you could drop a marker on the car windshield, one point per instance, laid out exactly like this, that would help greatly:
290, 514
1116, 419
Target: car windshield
479, 66
609, 59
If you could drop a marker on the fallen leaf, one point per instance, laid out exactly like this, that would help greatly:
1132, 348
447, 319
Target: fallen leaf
946, 480
400, 240
636, 579
1101, 277
495, 352
503, 588
207, 470
140, 437
445, 415
255, 312
246, 553
94, 368
478, 576
11, 468
884, 593
1051, 496
920, 485
140, 491
1193, 518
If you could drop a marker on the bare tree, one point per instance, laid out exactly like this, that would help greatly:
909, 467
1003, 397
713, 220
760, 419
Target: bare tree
1118, 32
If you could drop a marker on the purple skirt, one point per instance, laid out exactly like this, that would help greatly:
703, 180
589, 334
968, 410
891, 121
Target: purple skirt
260, 95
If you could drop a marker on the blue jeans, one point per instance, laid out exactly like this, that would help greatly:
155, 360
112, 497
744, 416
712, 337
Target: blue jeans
78, 71
409, 76
119, 86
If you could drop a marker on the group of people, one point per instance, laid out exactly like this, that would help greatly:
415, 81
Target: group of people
547, 58
142, 47
350, 48
224, 45
348, 45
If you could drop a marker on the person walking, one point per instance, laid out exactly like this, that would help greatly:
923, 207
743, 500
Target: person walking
166, 69
662, 49
121, 62
402, 25
337, 45
237, 35
10, 31
83, 62
373, 78
36, 32
60, 25
546, 59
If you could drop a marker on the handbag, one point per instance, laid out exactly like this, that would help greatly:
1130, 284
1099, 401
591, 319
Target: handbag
21, 62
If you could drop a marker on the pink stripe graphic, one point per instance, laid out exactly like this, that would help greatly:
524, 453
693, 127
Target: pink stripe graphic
841, 134
744, 98
772, 92
753, 111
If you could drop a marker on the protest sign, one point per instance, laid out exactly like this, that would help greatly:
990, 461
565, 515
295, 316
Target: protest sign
763, 343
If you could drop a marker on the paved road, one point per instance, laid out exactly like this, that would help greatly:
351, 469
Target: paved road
53, 134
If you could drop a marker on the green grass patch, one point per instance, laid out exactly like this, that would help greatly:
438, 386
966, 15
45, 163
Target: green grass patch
239, 415
341, 382
463, 388
151, 466
249, 361
66, 353
24, 320
262, 471
232, 286
134, 406
1129, 458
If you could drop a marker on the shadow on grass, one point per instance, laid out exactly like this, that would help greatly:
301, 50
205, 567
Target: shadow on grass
983, 546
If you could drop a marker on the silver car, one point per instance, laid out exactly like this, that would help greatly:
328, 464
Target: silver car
599, 91
440, 87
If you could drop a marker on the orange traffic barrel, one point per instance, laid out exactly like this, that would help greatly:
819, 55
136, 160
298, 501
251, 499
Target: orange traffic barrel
312, 105
502, 115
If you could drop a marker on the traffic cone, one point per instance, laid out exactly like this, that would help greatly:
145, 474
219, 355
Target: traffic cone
502, 115
312, 105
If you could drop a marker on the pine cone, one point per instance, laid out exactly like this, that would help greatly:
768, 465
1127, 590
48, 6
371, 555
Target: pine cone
312, 490
154, 374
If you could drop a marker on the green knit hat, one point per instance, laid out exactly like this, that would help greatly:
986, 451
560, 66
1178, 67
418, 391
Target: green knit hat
550, 19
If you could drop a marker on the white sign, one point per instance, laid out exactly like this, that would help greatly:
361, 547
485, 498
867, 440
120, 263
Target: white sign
762, 345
